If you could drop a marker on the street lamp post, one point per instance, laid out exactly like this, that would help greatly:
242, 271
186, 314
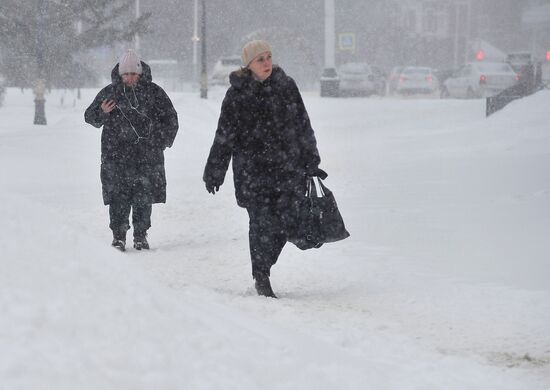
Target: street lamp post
204, 79
136, 37
462, 31
78, 32
329, 79
39, 103
195, 40
40, 87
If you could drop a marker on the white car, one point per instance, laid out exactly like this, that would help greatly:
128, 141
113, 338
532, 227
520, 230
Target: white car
416, 79
393, 78
222, 68
479, 79
359, 78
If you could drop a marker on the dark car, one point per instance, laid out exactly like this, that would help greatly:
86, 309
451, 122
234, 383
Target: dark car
519, 61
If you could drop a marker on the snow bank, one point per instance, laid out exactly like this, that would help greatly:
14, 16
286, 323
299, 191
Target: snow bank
442, 284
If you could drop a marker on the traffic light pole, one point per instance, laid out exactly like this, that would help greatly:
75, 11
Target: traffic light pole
329, 80
204, 78
40, 87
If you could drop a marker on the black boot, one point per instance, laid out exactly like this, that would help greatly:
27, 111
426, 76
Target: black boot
119, 240
140, 241
263, 286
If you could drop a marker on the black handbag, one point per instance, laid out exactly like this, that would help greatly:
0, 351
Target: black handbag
318, 220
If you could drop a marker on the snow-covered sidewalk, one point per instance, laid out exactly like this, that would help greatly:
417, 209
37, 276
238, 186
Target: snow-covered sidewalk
442, 285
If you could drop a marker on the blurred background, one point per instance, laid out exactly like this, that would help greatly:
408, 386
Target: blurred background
440, 34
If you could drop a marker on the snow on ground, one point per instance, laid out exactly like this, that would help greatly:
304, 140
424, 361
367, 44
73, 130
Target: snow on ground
443, 283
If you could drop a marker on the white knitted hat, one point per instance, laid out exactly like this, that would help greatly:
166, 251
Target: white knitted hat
252, 49
129, 63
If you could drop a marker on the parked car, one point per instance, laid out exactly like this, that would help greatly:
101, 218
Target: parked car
545, 72
518, 61
479, 79
416, 79
393, 78
443, 74
359, 78
222, 68
380, 77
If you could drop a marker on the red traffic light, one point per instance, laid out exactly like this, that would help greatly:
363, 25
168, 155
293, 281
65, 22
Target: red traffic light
480, 55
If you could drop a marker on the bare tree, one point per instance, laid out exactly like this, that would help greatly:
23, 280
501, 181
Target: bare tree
40, 38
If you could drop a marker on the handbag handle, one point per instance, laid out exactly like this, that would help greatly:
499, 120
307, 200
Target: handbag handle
324, 190
312, 189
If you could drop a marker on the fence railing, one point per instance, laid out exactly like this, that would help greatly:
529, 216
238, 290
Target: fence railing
530, 82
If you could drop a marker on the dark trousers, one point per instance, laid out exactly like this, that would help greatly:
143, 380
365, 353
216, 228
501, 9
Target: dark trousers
119, 213
267, 236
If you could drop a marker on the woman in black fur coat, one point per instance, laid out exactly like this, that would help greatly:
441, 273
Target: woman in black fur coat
265, 129
139, 123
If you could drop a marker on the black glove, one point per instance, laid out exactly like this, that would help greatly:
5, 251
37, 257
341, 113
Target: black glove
212, 187
318, 172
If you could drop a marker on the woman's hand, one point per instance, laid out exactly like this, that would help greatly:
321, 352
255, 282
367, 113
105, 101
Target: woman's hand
317, 172
108, 105
212, 187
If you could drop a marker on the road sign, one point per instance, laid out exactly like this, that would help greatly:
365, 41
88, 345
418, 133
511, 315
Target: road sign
346, 41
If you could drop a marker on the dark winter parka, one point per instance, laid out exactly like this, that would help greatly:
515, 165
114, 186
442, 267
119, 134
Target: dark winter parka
265, 128
135, 134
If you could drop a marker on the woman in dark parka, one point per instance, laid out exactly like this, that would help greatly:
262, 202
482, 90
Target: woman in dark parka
265, 129
139, 123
